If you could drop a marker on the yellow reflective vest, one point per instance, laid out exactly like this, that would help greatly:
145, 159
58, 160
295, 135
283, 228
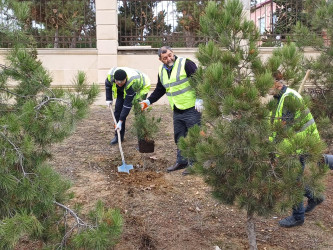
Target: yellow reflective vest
307, 126
133, 77
178, 89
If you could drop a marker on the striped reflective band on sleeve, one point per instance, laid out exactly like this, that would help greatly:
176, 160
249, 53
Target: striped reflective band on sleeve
112, 74
308, 124
131, 79
143, 78
179, 91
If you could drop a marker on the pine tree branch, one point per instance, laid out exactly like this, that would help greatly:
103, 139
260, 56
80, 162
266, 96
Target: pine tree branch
273, 171
79, 223
48, 99
19, 153
11, 92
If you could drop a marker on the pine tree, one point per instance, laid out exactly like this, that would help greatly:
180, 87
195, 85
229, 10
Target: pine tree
232, 149
56, 23
321, 75
33, 115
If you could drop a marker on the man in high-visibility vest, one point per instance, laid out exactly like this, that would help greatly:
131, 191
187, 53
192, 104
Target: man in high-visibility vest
308, 128
119, 85
173, 80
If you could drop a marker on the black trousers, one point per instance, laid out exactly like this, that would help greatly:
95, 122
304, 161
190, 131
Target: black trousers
299, 210
117, 110
182, 121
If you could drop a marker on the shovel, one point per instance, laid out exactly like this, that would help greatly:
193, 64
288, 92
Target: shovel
123, 168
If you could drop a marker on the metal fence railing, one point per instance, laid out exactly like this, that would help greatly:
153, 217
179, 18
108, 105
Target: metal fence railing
53, 23
275, 20
71, 24
176, 22
156, 23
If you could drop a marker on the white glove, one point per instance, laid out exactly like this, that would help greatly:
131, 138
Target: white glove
144, 104
118, 126
199, 105
108, 103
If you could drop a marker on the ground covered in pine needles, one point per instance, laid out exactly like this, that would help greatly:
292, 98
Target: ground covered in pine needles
167, 210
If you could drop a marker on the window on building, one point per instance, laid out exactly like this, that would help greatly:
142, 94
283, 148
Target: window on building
262, 25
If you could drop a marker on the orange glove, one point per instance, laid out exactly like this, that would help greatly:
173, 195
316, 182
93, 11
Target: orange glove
144, 104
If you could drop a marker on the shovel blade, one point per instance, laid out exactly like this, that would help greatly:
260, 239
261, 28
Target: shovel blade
125, 168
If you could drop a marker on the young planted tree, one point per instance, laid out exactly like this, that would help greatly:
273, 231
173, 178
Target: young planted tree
145, 126
232, 149
33, 116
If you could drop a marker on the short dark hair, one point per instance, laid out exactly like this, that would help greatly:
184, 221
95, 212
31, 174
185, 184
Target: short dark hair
163, 50
120, 75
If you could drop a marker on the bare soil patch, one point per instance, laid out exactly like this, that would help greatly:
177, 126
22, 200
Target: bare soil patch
167, 210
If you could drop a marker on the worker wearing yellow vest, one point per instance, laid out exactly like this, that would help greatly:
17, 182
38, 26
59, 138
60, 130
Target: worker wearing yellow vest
119, 86
173, 80
308, 128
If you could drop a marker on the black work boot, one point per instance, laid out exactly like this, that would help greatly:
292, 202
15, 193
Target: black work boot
290, 222
312, 203
175, 167
114, 140
187, 171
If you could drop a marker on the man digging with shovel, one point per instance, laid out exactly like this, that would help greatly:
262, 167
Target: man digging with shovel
118, 84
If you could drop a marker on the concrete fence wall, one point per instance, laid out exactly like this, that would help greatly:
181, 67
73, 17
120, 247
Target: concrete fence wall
63, 64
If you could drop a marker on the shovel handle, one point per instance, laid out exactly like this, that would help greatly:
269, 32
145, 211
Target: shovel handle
301, 87
118, 133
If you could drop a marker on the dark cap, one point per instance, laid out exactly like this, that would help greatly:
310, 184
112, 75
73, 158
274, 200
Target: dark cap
120, 75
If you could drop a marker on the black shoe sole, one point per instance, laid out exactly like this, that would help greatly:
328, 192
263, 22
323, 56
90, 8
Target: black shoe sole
180, 168
113, 143
294, 225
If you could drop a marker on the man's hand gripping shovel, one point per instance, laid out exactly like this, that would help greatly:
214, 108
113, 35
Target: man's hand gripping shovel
123, 168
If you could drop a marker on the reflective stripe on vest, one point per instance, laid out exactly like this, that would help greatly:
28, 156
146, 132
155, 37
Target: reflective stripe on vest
178, 88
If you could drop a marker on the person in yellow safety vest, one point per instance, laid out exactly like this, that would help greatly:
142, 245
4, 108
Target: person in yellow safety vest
119, 86
307, 128
173, 80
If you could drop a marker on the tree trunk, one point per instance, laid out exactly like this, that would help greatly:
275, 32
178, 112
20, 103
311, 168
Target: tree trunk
189, 39
251, 233
56, 39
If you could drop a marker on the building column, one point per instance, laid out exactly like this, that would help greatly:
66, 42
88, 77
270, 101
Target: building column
247, 8
107, 37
